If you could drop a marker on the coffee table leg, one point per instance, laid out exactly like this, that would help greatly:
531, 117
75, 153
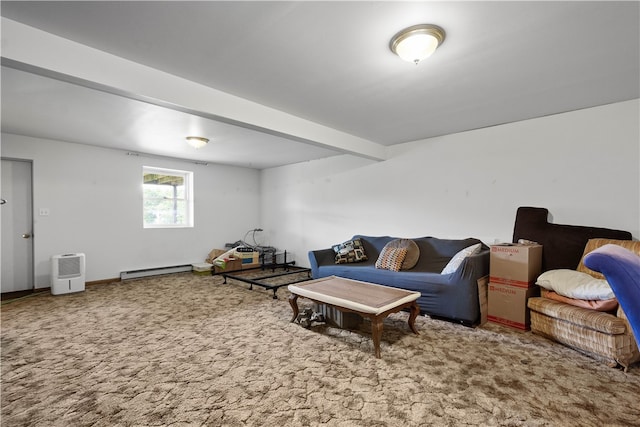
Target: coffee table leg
415, 310
376, 334
293, 301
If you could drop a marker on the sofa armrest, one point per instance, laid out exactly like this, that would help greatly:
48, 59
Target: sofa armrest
473, 267
466, 280
320, 257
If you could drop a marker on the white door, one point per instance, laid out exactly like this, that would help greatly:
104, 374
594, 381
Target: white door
17, 225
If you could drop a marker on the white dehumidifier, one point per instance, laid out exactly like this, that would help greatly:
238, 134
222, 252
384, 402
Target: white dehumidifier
67, 273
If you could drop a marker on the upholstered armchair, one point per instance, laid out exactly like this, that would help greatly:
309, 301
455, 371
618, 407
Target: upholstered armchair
606, 336
603, 335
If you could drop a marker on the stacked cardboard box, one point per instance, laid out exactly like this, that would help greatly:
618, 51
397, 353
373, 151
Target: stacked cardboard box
235, 264
247, 255
513, 270
229, 265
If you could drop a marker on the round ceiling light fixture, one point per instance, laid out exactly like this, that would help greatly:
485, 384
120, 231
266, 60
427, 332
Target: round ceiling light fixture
418, 42
197, 141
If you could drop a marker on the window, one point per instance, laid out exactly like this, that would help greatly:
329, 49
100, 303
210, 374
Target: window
167, 198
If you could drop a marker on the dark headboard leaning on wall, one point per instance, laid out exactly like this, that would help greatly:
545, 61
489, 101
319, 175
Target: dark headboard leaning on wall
562, 245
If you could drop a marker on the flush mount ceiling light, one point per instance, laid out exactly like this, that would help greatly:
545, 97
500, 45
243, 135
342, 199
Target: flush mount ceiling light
416, 43
197, 141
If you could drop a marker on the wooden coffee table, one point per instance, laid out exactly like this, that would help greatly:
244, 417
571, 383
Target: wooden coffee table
369, 300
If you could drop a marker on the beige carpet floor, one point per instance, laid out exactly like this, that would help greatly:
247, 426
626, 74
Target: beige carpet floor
186, 350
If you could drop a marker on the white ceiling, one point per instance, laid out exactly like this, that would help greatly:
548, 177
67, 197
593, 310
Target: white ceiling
325, 63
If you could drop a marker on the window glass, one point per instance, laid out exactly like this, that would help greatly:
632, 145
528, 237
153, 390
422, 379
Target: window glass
167, 198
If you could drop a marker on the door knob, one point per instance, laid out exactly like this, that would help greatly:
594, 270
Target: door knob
26, 235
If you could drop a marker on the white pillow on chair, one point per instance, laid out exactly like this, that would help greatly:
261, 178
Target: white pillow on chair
575, 284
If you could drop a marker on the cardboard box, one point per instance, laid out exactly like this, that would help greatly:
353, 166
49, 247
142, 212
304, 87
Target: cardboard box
508, 304
231, 265
515, 264
247, 257
483, 298
252, 265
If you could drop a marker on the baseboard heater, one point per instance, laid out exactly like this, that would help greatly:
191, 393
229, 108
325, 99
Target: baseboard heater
136, 274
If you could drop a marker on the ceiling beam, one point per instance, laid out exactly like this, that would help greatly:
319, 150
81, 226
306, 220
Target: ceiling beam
37, 51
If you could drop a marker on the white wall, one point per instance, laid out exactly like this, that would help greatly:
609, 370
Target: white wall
95, 200
584, 166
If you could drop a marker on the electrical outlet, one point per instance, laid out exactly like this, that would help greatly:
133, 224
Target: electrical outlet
44, 211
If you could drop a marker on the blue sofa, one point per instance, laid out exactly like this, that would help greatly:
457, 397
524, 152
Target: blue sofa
453, 297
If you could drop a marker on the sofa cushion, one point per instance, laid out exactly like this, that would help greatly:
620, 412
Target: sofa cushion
590, 319
457, 259
436, 253
413, 252
391, 258
575, 284
349, 251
